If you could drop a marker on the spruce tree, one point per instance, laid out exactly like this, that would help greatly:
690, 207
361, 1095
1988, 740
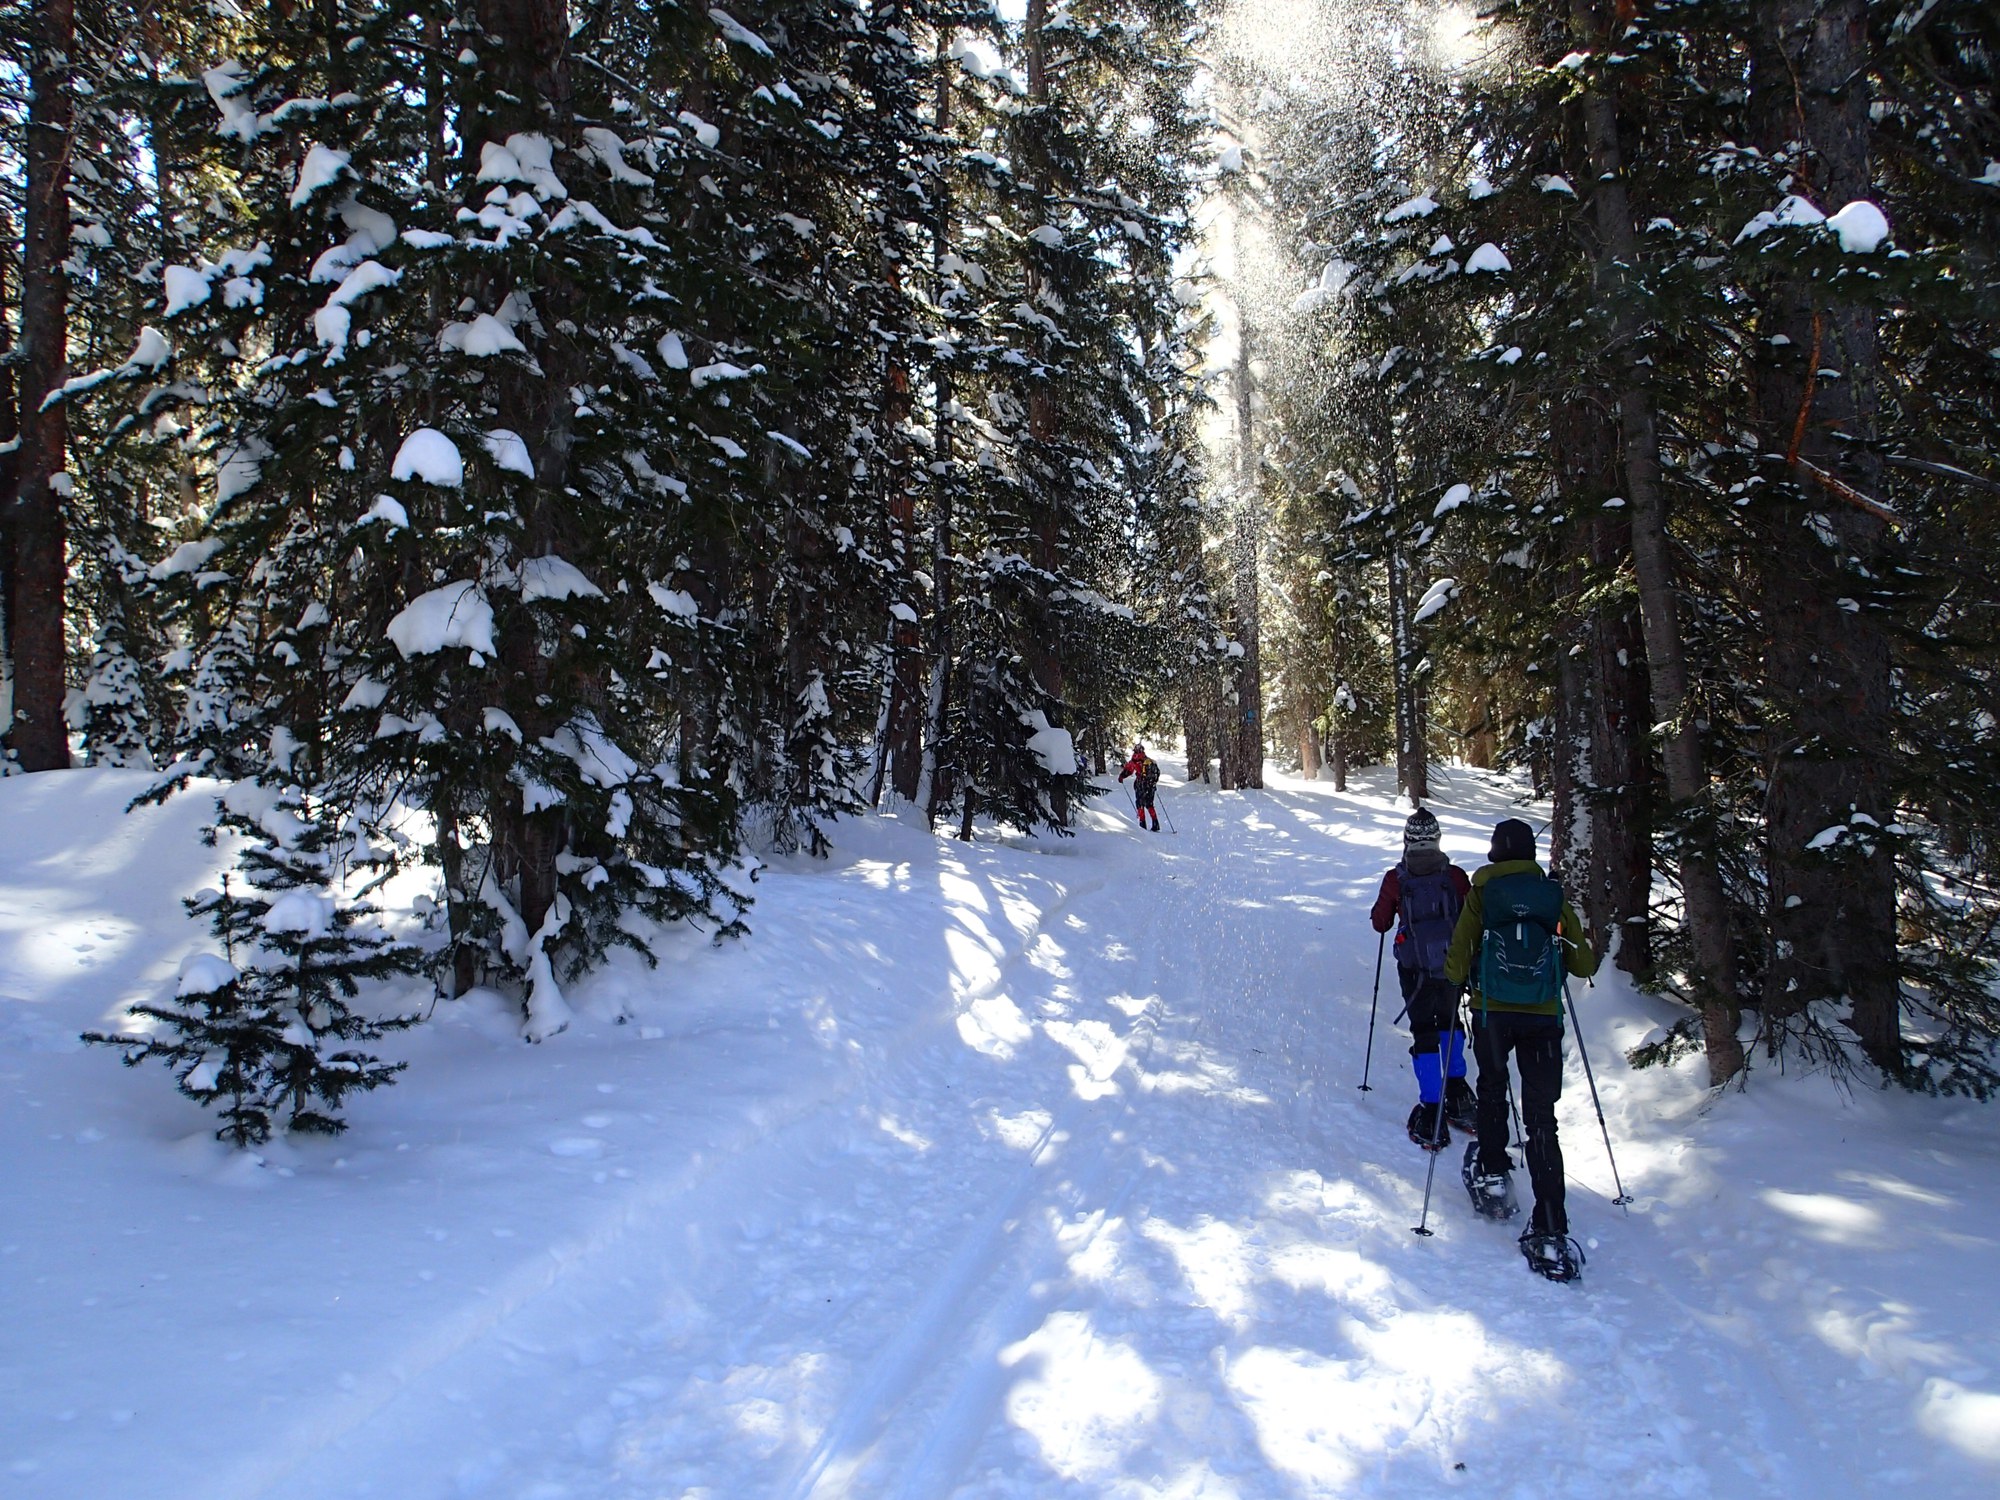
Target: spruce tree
265, 1033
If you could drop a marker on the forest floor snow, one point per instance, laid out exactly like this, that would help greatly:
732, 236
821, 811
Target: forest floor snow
1025, 1168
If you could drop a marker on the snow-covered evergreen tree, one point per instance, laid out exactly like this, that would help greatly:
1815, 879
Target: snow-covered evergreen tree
1635, 226
266, 1032
450, 528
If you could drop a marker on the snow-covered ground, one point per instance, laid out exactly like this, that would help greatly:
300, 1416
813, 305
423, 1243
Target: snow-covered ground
1024, 1169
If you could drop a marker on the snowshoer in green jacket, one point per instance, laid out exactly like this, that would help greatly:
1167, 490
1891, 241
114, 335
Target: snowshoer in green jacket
1514, 940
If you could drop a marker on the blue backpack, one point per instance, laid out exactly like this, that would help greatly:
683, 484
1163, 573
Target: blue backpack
1520, 961
1429, 909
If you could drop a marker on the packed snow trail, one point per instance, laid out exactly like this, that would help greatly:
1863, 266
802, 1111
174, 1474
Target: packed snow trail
1025, 1169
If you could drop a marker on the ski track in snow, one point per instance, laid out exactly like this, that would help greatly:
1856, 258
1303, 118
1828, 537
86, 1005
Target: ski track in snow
1019, 1170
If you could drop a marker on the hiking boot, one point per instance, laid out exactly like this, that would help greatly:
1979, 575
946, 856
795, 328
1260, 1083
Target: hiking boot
1555, 1256
1492, 1193
1460, 1106
1428, 1129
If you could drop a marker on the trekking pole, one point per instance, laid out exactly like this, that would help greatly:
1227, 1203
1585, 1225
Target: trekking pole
1422, 1226
1161, 807
1368, 1060
1623, 1197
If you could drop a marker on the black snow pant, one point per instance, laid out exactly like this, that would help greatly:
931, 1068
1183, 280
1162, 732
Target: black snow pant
1432, 1006
1536, 1044
1142, 802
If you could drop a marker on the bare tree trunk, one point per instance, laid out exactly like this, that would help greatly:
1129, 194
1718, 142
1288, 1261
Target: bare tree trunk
1227, 745
1412, 749
1479, 742
1247, 718
1583, 450
435, 143
10, 452
1572, 849
1194, 733
33, 563
898, 761
1832, 910
1309, 757
1044, 657
1614, 798
933, 788
1621, 758
1338, 746
1704, 900
900, 755
531, 65
1412, 733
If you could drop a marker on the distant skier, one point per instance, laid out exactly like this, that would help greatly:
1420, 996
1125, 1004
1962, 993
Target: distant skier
1421, 897
1514, 939
1142, 766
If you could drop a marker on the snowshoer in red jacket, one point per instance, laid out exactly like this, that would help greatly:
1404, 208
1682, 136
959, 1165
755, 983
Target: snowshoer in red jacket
1141, 765
1421, 898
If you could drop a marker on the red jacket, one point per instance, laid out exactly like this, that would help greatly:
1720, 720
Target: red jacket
1389, 904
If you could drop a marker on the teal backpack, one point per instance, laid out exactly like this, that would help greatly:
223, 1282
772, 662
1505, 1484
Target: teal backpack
1520, 959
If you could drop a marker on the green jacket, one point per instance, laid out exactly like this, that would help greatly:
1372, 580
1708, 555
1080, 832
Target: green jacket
1461, 960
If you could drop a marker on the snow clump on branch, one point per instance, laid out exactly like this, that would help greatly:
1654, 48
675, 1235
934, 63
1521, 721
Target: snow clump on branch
429, 455
455, 615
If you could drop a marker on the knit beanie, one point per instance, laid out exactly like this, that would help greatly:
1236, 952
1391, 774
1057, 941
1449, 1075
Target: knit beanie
1421, 832
1512, 839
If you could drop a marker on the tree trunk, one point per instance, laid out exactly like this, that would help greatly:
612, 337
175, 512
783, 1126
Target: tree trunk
933, 785
531, 66
1412, 757
1705, 902
1309, 759
436, 144
900, 756
1832, 910
1246, 708
1194, 732
10, 452
1572, 845
1247, 717
1583, 452
1621, 758
1608, 651
1044, 653
33, 566
1479, 741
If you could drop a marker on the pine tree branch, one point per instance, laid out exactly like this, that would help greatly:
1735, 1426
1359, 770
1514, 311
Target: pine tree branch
1841, 489
1943, 471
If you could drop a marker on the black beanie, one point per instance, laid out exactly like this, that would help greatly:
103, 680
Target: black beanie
1512, 839
1421, 832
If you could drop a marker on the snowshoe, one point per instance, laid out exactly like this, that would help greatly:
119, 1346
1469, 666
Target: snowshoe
1492, 1193
1428, 1129
1460, 1106
1556, 1256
